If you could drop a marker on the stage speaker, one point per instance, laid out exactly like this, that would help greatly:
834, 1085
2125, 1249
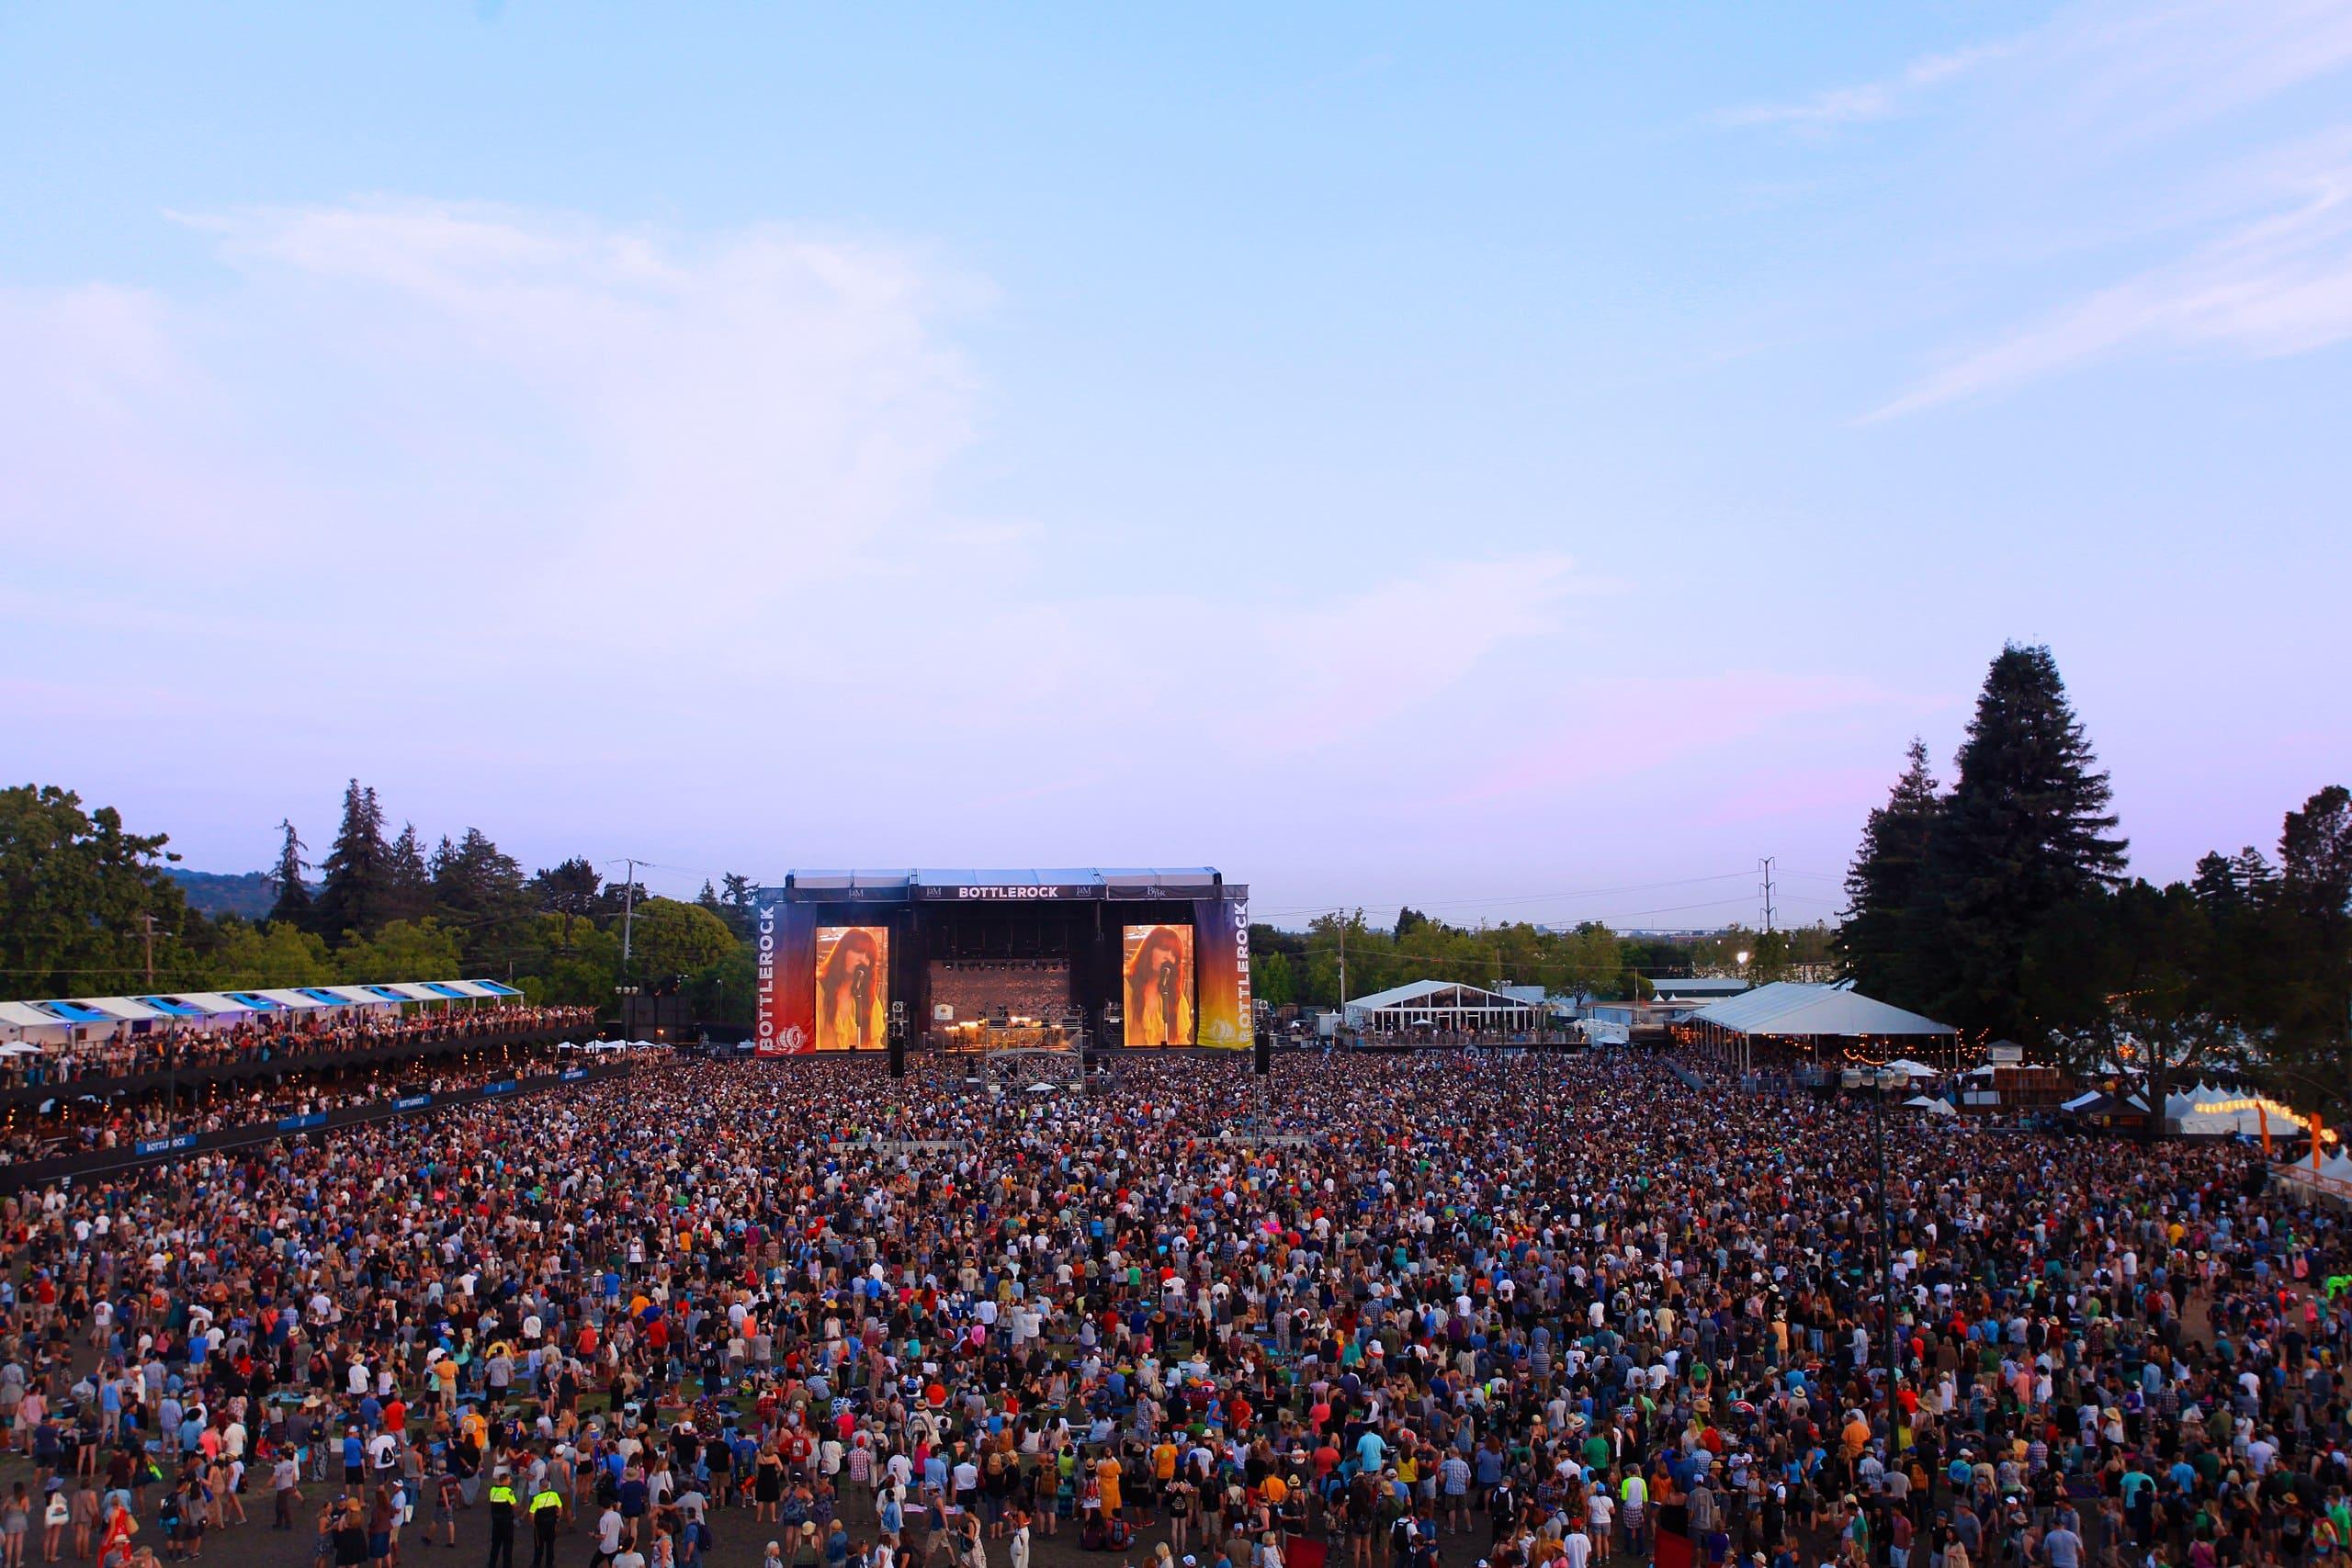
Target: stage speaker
1264, 1054
898, 1054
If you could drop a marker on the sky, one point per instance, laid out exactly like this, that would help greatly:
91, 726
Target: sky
1526, 462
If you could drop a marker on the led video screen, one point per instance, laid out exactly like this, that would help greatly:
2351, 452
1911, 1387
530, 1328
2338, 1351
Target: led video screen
852, 987
1157, 971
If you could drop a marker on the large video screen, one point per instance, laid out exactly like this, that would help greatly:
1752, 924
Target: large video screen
1158, 974
852, 987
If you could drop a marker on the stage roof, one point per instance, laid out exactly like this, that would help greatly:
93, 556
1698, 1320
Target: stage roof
959, 883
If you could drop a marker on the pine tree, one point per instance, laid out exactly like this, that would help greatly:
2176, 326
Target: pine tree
356, 894
1882, 887
294, 905
412, 878
478, 892
568, 890
2025, 833
2311, 935
2229, 884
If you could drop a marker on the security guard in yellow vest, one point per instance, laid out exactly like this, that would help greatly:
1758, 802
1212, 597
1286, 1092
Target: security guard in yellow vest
546, 1512
502, 1518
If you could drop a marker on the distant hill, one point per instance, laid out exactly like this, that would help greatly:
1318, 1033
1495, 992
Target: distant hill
249, 893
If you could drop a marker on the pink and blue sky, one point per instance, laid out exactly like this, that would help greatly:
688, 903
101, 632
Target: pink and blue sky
1525, 461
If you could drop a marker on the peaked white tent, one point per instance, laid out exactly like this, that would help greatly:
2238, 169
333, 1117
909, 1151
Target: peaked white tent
1446, 1004
2208, 1112
1814, 1017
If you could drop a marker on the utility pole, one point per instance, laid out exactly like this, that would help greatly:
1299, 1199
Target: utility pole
629, 924
629, 913
1765, 865
148, 922
1344, 969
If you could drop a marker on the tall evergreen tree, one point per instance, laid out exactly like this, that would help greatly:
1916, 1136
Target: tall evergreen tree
2228, 885
1873, 944
478, 893
2311, 936
2025, 832
412, 877
568, 890
357, 892
737, 890
293, 905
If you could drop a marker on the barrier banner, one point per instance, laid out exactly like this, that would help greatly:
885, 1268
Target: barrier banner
165, 1146
296, 1123
490, 1088
1227, 1021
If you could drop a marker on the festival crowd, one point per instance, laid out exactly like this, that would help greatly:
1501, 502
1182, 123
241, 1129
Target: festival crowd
1521, 1311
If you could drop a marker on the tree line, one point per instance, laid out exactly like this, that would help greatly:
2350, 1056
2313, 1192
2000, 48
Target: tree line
1588, 961
90, 909
2002, 905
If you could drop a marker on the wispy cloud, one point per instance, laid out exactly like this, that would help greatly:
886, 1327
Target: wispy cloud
1881, 99
2082, 124
2276, 284
604, 471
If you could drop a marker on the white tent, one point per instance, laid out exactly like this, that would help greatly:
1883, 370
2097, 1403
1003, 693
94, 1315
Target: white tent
1789, 1010
214, 1004
1818, 1017
1931, 1105
299, 1001
1441, 1004
22, 1021
126, 1008
1907, 1067
2207, 1112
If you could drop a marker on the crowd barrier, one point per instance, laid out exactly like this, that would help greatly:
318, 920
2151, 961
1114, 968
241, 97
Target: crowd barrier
154, 1151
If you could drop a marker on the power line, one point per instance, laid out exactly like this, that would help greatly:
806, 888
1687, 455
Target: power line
1326, 908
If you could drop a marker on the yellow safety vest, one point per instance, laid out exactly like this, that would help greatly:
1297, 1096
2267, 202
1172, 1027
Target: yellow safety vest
544, 1499
502, 1493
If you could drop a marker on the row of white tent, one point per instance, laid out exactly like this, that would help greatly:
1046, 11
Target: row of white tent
60, 1019
2210, 1111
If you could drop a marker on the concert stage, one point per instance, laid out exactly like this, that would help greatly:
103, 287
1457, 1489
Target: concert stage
989, 960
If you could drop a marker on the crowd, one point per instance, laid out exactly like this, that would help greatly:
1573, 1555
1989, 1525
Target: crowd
1529, 1312
69, 1123
125, 1053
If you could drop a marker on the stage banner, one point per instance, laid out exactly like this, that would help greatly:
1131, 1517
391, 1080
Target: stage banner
1227, 1018
852, 987
1156, 977
785, 978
